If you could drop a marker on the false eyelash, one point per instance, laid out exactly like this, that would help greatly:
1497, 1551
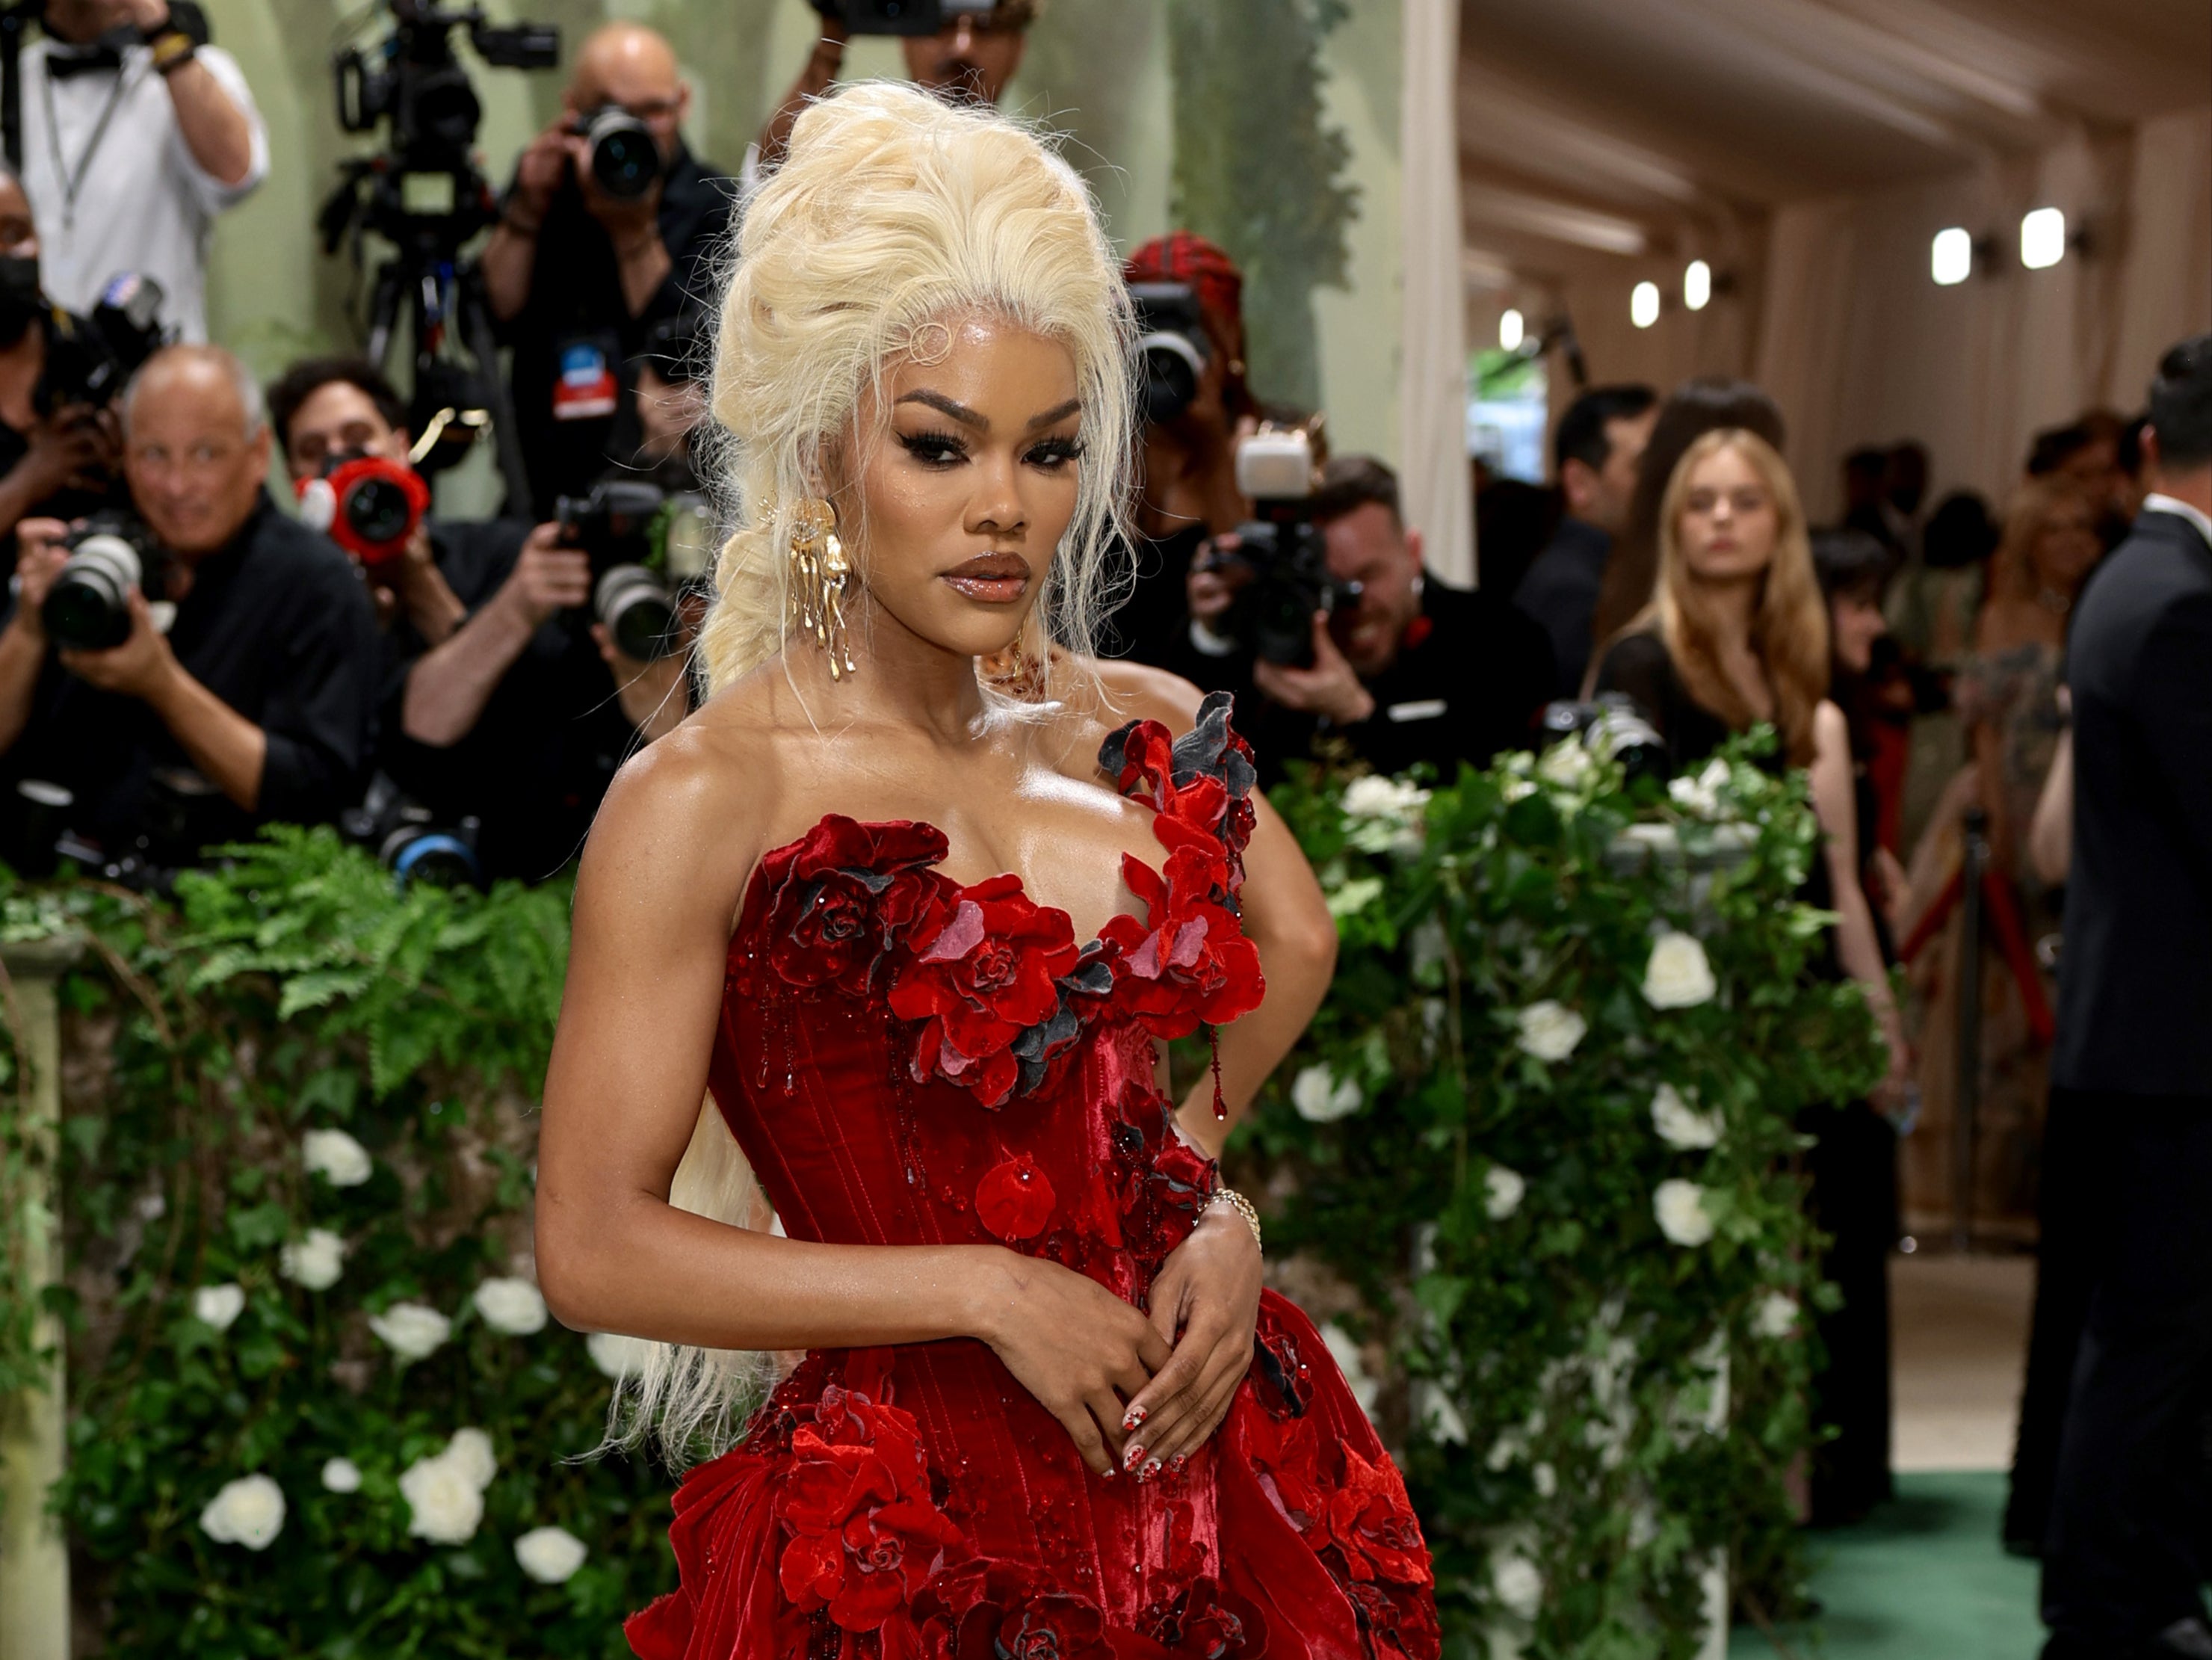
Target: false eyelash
933, 447
1057, 449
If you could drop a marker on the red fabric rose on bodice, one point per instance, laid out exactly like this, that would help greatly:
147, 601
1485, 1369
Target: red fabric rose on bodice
854, 1499
843, 898
991, 972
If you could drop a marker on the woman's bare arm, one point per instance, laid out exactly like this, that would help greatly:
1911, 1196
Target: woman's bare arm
1834, 806
660, 882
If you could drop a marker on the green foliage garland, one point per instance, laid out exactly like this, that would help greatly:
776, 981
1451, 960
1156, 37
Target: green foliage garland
1489, 1131
1257, 170
296, 991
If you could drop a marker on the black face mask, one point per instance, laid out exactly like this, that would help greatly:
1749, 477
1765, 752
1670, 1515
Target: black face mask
20, 301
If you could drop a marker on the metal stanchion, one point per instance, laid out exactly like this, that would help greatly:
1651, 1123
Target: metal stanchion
1968, 1092
34, 1583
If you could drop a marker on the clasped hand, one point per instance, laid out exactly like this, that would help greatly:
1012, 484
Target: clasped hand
1133, 1389
138, 667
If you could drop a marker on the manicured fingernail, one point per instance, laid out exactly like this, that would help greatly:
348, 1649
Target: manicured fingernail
1108, 1474
1132, 1458
1135, 1417
1151, 1468
1176, 1462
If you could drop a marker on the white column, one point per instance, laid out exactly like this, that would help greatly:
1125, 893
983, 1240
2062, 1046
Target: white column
1432, 385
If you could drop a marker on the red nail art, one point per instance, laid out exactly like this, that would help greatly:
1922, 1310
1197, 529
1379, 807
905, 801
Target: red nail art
1151, 1468
1176, 1462
1135, 1417
1134, 1457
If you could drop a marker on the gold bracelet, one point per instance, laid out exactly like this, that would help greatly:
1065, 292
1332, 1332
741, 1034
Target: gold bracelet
1238, 1202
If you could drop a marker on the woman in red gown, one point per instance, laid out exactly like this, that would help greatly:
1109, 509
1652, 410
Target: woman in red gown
910, 904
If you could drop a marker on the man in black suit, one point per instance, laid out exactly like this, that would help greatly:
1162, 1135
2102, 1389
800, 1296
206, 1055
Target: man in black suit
1600, 440
2133, 1069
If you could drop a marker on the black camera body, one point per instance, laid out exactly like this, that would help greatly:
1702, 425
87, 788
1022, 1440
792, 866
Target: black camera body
1285, 552
649, 548
88, 606
1173, 349
90, 359
410, 842
903, 16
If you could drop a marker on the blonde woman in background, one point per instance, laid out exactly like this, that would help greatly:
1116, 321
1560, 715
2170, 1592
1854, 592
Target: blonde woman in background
1036, 1402
1737, 636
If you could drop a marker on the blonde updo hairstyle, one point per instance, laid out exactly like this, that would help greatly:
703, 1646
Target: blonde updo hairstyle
894, 215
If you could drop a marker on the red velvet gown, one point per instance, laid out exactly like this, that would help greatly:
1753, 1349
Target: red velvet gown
905, 1062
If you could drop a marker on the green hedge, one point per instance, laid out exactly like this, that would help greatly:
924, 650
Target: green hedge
296, 991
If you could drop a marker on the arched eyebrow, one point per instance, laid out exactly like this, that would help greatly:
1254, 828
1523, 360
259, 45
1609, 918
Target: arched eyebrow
967, 417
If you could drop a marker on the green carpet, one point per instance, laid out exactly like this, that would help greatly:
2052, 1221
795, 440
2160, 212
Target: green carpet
1921, 1579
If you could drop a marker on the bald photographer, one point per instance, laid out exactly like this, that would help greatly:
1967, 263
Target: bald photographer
609, 227
204, 668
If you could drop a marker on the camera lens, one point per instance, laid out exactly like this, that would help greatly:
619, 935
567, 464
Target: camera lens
88, 607
633, 605
377, 510
438, 857
624, 159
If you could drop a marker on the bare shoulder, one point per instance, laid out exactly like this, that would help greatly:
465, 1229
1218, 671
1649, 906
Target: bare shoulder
1113, 693
686, 818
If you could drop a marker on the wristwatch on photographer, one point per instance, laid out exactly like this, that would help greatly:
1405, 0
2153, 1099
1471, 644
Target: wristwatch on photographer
178, 36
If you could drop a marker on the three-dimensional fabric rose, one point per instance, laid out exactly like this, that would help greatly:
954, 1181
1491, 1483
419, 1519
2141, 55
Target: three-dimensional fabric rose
845, 897
248, 1512
336, 1157
1678, 1207
314, 1262
1678, 975
1372, 1524
991, 1609
862, 1531
512, 1306
990, 971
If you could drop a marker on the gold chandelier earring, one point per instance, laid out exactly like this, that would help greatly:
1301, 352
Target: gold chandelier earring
819, 574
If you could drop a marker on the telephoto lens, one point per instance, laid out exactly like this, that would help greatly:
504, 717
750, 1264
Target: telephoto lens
632, 605
625, 160
88, 606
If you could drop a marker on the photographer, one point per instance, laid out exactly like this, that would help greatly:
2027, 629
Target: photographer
511, 707
1412, 672
136, 133
577, 275
254, 702
970, 58
58, 460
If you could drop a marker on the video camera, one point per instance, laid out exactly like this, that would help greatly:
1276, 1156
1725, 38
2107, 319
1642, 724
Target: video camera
1285, 552
90, 359
650, 550
425, 191
88, 606
368, 506
903, 16
1173, 349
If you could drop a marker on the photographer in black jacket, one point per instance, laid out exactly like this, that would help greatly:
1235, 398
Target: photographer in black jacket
248, 696
499, 698
578, 276
55, 458
1412, 672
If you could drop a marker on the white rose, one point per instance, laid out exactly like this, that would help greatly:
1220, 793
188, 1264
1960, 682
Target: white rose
1354, 1364
315, 1262
249, 1511
1777, 1316
1680, 1126
1507, 1449
1700, 797
341, 1475
1321, 1098
1517, 789
444, 1504
1434, 1410
470, 1452
1374, 797
411, 1330
1518, 1584
1546, 1479
1550, 1030
512, 1306
616, 1355
1502, 1189
218, 1305
334, 1156
1680, 1207
549, 1555
1678, 976
1567, 764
